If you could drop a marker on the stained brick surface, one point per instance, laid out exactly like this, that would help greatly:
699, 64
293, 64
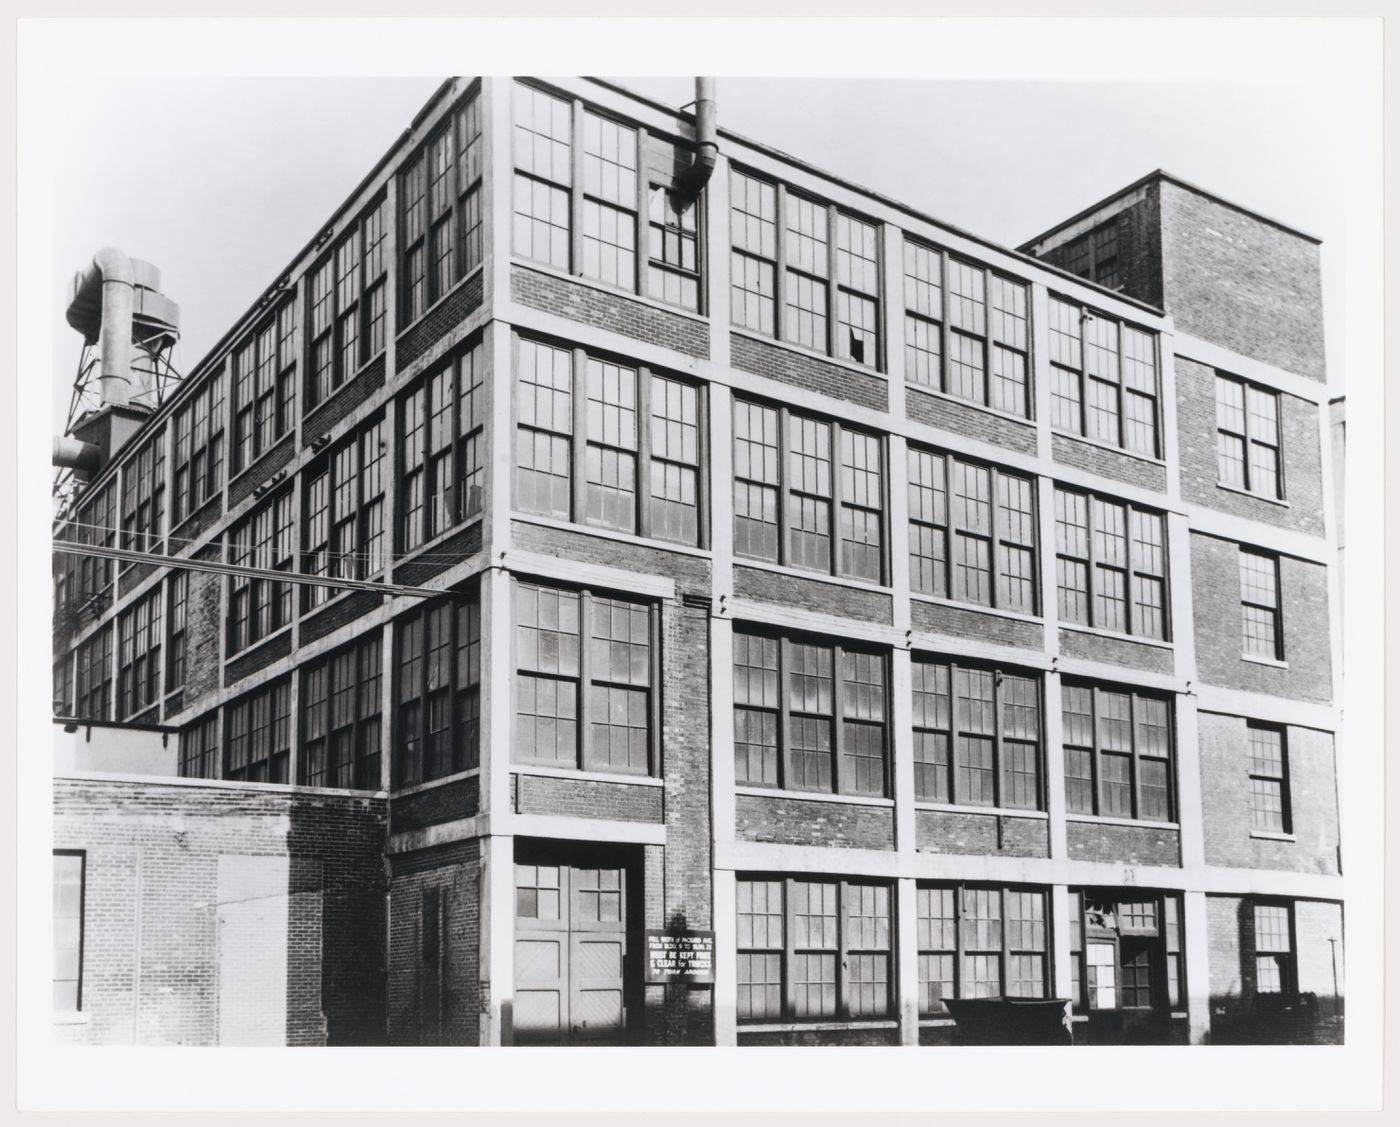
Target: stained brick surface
793, 821
809, 373
1071, 451
966, 419
812, 595
969, 622
941, 831
1116, 651
1130, 845
419, 338
343, 401
587, 798
448, 802
243, 484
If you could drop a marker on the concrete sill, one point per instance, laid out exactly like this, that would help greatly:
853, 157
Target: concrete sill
812, 796
590, 776
610, 291
1085, 440
1270, 835
433, 784
1100, 632
986, 409
976, 608
1272, 662
1099, 820
399, 332
988, 811
818, 576
611, 534
803, 350
820, 1026
1281, 502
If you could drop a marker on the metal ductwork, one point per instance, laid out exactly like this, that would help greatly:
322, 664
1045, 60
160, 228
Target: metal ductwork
117, 300
697, 175
72, 454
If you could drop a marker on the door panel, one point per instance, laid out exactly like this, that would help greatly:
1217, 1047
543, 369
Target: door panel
570, 954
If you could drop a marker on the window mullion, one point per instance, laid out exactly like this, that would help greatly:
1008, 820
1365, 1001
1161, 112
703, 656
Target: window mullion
784, 482
583, 752
831, 281
654, 612
835, 484
988, 348
1129, 602
1135, 758
1094, 710
578, 441
1091, 544
784, 712
838, 700
789, 951
945, 345
642, 476
998, 748
994, 527
843, 942
952, 733
641, 218
1122, 391
957, 587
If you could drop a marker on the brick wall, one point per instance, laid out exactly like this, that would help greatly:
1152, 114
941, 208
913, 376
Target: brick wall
343, 401
968, 622
259, 657
613, 311
243, 483
809, 373
966, 419
1139, 248
1129, 845
194, 525
812, 595
1241, 282
445, 803
1215, 589
1100, 460
339, 612
1301, 452
587, 798
1116, 651
435, 1002
795, 821
439, 556
204, 624
1226, 800
456, 307
691, 573
151, 961
946, 831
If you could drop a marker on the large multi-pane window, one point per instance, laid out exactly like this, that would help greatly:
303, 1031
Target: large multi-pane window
442, 479
1126, 950
966, 330
809, 715
340, 718
1118, 753
1094, 255
199, 449
440, 194
585, 683
258, 735
348, 305
68, 879
139, 639
972, 532
96, 525
344, 499
1111, 564
199, 748
543, 139
980, 942
93, 676
259, 606
1259, 605
807, 493
976, 735
177, 587
1274, 969
824, 276
1268, 779
264, 387
812, 949
609, 207
1103, 376
636, 435
438, 659
143, 497
673, 265
1247, 437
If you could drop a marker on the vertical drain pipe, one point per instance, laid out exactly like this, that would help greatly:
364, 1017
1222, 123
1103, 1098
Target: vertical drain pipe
697, 174
118, 299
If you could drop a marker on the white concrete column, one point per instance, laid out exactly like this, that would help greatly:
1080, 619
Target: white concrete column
1052, 725
1040, 369
907, 952
496, 685
1062, 966
726, 959
1195, 947
497, 179
1183, 632
498, 937
892, 312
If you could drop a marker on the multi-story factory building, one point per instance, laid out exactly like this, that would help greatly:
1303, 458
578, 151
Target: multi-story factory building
692, 556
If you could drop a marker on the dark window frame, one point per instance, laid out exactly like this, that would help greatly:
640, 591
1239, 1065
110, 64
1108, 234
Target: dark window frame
1270, 771
199, 747
1284, 960
1099, 780
94, 676
139, 667
932, 945
258, 735
143, 498
177, 622
1249, 437
259, 607
1158, 948
1131, 569
342, 740
437, 713
1271, 613
263, 387
81, 917
198, 430
346, 305
343, 508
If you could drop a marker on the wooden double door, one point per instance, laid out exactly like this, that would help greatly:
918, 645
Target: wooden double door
573, 971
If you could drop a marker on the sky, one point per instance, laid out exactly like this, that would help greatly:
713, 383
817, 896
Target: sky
220, 181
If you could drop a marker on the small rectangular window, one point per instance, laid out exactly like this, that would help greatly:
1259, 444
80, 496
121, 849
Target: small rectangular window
1268, 779
258, 606
138, 656
1259, 605
199, 748
1248, 450
1274, 968
199, 449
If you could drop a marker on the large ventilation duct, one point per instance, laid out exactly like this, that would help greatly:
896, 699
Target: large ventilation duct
72, 454
697, 175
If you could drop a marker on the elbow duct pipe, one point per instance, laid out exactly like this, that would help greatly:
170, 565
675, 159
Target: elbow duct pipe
73, 454
697, 175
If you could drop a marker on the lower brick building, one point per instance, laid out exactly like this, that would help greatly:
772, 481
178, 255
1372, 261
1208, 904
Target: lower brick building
623, 585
